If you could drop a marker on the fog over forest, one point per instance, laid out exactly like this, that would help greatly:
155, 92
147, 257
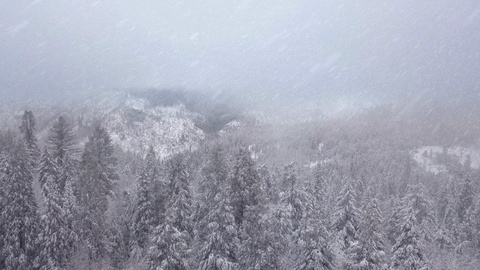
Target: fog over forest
224, 135
366, 50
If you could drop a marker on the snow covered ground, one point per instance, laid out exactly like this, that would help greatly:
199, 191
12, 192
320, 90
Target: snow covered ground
426, 157
137, 126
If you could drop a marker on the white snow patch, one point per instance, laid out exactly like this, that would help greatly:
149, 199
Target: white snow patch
253, 153
231, 126
317, 163
320, 147
464, 153
168, 129
234, 123
136, 103
425, 156
313, 164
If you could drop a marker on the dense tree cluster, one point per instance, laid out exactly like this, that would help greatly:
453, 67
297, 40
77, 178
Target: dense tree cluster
222, 207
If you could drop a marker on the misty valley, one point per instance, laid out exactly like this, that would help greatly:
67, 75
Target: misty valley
164, 179
239, 135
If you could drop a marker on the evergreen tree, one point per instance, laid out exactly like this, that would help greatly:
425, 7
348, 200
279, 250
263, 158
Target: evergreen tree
369, 251
450, 220
446, 202
284, 227
96, 182
54, 237
69, 175
316, 253
217, 231
117, 247
58, 235
474, 219
289, 177
144, 212
62, 151
47, 169
346, 218
18, 219
62, 143
218, 250
465, 200
407, 252
318, 189
171, 240
160, 193
293, 199
468, 230
28, 129
424, 213
447, 229
268, 188
406, 177
276, 239
245, 195
274, 235
61, 140
244, 185
360, 186
372, 235
274, 228
250, 234
213, 180
121, 248
443, 239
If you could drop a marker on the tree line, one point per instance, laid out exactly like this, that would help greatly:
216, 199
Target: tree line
218, 208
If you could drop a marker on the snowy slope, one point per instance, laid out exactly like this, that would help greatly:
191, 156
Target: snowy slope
169, 129
135, 121
426, 157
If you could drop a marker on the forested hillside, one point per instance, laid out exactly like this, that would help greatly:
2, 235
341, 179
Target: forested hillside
376, 189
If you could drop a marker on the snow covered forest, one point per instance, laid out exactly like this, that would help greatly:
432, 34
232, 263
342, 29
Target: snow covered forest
367, 190
239, 135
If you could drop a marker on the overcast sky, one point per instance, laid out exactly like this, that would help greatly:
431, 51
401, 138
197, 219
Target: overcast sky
361, 48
